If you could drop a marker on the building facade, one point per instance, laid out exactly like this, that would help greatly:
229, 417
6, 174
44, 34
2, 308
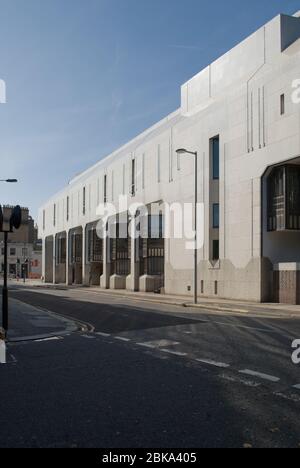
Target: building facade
242, 116
24, 253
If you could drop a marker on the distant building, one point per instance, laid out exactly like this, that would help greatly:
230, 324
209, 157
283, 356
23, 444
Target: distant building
24, 250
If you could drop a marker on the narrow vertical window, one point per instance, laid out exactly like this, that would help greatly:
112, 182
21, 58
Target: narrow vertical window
282, 104
83, 201
105, 189
216, 250
54, 214
133, 188
215, 158
68, 208
216, 216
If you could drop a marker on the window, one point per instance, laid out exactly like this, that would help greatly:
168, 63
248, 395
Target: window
68, 208
54, 214
282, 104
133, 178
105, 189
215, 151
12, 252
84, 201
216, 216
216, 253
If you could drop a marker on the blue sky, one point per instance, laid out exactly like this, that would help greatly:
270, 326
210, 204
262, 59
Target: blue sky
85, 76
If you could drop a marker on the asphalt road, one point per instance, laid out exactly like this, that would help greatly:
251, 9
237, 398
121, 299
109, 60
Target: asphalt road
150, 375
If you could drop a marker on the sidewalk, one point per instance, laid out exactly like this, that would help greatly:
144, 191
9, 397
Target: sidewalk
205, 303
28, 323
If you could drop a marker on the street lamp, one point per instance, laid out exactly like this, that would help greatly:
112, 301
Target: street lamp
9, 181
182, 151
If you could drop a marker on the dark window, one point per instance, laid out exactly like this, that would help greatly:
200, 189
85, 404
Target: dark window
133, 177
83, 200
105, 189
216, 216
282, 104
215, 151
54, 215
216, 253
216, 288
68, 208
12, 252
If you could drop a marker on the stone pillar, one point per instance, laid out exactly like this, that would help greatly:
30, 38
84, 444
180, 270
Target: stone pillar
54, 259
85, 270
132, 280
68, 268
105, 278
44, 260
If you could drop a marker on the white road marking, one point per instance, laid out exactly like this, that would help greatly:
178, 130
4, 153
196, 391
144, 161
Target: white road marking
297, 387
176, 353
120, 338
293, 398
270, 378
146, 345
160, 343
248, 383
213, 363
54, 338
89, 337
103, 334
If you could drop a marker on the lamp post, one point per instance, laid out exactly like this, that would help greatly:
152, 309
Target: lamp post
182, 151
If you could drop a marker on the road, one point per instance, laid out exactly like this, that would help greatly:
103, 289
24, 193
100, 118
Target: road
150, 375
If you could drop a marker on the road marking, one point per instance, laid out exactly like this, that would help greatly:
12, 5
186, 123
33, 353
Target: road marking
54, 338
176, 353
213, 363
89, 337
146, 345
248, 383
270, 378
120, 338
103, 334
161, 343
293, 398
297, 387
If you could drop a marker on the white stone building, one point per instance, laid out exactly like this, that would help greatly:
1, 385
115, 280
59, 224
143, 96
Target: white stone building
242, 115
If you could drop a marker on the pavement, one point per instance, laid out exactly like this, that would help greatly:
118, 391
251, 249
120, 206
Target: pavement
27, 322
205, 303
146, 374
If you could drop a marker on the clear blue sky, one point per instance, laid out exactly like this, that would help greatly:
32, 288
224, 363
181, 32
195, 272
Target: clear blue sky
85, 76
